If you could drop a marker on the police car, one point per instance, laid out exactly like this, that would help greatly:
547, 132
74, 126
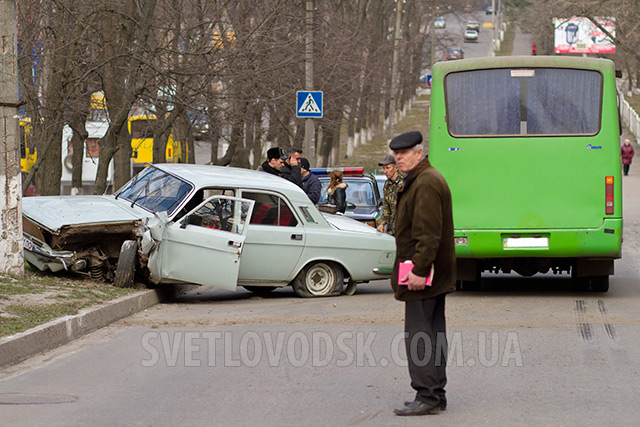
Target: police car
363, 196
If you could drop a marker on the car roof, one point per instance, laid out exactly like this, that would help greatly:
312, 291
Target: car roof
207, 175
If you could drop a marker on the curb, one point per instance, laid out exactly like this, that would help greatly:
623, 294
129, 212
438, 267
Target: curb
18, 347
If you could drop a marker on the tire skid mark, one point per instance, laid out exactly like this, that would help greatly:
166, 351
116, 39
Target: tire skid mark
608, 327
584, 328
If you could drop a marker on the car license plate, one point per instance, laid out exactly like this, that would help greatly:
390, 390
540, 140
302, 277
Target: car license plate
525, 242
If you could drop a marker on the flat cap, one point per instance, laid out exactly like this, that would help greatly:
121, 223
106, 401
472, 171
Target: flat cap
406, 140
388, 160
276, 153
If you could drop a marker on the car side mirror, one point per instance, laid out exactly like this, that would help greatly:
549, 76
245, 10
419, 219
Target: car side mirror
619, 73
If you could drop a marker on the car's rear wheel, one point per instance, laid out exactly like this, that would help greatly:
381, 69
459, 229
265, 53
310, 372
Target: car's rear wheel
319, 279
126, 268
260, 290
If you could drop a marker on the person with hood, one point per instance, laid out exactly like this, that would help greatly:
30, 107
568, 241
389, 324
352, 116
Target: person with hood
627, 156
291, 168
275, 161
337, 191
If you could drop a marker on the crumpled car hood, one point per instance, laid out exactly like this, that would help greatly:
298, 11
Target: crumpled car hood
348, 224
54, 212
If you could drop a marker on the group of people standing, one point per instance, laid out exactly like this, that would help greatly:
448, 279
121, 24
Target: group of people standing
293, 167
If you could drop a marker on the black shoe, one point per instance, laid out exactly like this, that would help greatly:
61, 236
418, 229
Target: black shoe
443, 405
418, 408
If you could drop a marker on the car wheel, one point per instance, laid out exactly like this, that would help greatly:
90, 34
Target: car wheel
126, 268
319, 279
260, 290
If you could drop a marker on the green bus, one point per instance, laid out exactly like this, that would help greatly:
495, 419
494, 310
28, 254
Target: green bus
530, 149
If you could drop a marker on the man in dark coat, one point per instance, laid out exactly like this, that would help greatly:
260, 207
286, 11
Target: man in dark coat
291, 168
310, 183
275, 161
424, 236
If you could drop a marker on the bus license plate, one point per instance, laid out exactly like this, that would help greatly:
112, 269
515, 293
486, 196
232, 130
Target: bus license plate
525, 242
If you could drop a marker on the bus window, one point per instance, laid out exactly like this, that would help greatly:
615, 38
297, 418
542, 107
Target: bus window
141, 129
541, 101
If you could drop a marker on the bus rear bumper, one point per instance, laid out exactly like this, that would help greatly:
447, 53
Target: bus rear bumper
602, 242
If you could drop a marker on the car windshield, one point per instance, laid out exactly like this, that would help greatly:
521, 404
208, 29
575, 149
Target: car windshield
360, 192
155, 190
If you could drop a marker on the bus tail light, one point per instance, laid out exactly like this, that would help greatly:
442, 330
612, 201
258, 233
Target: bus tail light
608, 195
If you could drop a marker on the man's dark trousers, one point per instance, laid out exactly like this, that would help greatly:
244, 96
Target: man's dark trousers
426, 346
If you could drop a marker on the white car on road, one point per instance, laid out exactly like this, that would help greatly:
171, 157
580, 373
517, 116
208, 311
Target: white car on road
207, 225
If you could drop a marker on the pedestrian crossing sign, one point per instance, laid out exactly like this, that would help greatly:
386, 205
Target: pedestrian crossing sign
309, 104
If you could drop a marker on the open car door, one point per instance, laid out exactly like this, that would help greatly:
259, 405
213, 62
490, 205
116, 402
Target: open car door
205, 246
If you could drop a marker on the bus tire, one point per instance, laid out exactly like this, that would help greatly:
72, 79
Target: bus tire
319, 279
126, 267
599, 283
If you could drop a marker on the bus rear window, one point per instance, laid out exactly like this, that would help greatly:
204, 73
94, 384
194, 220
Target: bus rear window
534, 101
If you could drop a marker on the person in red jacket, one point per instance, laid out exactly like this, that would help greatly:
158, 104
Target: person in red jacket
627, 155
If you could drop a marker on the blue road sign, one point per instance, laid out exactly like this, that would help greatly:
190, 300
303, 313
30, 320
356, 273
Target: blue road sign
309, 104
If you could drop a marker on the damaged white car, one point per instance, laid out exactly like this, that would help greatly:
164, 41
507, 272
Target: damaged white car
207, 225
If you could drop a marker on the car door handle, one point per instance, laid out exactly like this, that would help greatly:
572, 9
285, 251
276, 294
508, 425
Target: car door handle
296, 237
234, 244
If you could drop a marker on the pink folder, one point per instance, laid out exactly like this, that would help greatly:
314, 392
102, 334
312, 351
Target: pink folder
405, 267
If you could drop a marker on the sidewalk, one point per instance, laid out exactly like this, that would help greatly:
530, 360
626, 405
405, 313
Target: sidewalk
521, 43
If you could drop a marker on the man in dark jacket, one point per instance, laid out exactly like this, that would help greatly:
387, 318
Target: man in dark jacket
275, 161
291, 168
424, 236
310, 183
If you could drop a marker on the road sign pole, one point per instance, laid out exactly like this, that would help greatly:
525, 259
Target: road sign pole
309, 126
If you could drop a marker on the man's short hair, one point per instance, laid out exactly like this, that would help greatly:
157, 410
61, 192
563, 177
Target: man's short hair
292, 150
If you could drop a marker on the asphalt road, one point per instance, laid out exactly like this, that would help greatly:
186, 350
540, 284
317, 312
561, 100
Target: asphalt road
452, 36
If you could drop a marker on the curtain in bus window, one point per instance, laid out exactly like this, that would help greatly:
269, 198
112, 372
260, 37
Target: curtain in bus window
563, 101
483, 102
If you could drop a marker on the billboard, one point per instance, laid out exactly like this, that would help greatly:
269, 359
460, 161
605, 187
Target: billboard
580, 35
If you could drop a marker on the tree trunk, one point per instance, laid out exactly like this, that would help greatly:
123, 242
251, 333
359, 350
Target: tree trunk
11, 261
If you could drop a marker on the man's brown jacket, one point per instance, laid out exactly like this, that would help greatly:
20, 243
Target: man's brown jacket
424, 232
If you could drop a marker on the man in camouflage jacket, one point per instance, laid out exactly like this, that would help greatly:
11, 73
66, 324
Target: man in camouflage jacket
390, 194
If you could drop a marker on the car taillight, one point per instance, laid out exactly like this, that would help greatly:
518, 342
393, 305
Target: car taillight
608, 195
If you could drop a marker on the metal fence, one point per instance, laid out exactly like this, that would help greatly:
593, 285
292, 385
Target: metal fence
630, 118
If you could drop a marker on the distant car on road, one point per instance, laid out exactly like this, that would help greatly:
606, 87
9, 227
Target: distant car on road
470, 36
363, 195
439, 22
473, 25
454, 53
488, 10
207, 225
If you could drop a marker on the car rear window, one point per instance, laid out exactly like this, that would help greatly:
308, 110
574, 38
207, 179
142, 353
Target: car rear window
532, 101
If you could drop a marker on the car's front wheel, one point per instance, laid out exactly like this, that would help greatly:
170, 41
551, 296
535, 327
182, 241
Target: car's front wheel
126, 268
319, 279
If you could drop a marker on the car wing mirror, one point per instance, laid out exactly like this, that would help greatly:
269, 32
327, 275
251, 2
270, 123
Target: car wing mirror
619, 73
